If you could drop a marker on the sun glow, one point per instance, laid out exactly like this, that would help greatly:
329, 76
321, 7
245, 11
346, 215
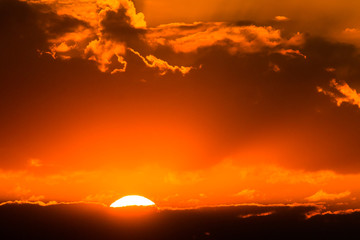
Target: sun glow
132, 200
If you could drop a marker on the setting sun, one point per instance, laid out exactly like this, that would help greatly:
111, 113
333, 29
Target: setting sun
132, 200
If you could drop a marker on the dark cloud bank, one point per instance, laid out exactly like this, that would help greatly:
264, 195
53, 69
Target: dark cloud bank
97, 222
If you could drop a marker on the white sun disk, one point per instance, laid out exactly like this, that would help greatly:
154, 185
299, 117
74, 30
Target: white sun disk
132, 200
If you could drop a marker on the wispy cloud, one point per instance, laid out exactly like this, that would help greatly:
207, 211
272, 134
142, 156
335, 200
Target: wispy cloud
187, 38
256, 214
281, 18
246, 193
44, 204
163, 66
341, 92
324, 196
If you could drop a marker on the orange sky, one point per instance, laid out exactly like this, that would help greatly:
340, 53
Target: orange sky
186, 103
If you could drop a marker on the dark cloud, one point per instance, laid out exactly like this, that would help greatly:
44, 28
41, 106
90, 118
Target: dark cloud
56, 25
23, 35
116, 25
282, 113
96, 222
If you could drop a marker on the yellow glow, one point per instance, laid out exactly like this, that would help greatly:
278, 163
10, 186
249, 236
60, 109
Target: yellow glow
132, 200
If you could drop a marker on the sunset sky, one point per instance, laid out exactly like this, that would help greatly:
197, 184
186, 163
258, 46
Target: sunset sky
189, 103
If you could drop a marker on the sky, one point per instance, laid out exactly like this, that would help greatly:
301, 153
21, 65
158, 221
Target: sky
189, 103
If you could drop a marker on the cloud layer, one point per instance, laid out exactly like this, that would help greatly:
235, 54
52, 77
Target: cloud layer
118, 28
97, 222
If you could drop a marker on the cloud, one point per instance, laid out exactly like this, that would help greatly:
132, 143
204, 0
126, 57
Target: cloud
281, 18
45, 204
323, 196
88, 10
246, 193
19, 202
291, 53
105, 53
341, 92
330, 69
10, 175
257, 214
116, 26
154, 62
70, 43
274, 67
34, 162
352, 30
186, 178
323, 212
342, 212
21, 191
106, 38
102, 186
103, 37
102, 197
36, 198
350, 35
175, 188
187, 38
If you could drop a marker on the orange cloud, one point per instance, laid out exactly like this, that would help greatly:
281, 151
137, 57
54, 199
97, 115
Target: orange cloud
20, 191
107, 27
10, 175
247, 193
96, 43
88, 10
36, 198
352, 30
175, 188
44, 204
341, 93
274, 67
154, 62
323, 196
102, 52
68, 43
34, 162
322, 211
349, 35
91, 41
342, 212
257, 215
281, 18
330, 69
40, 203
296, 40
188, 38
291, 53
137, 20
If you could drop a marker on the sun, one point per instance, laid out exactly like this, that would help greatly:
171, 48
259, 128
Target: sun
132, 200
